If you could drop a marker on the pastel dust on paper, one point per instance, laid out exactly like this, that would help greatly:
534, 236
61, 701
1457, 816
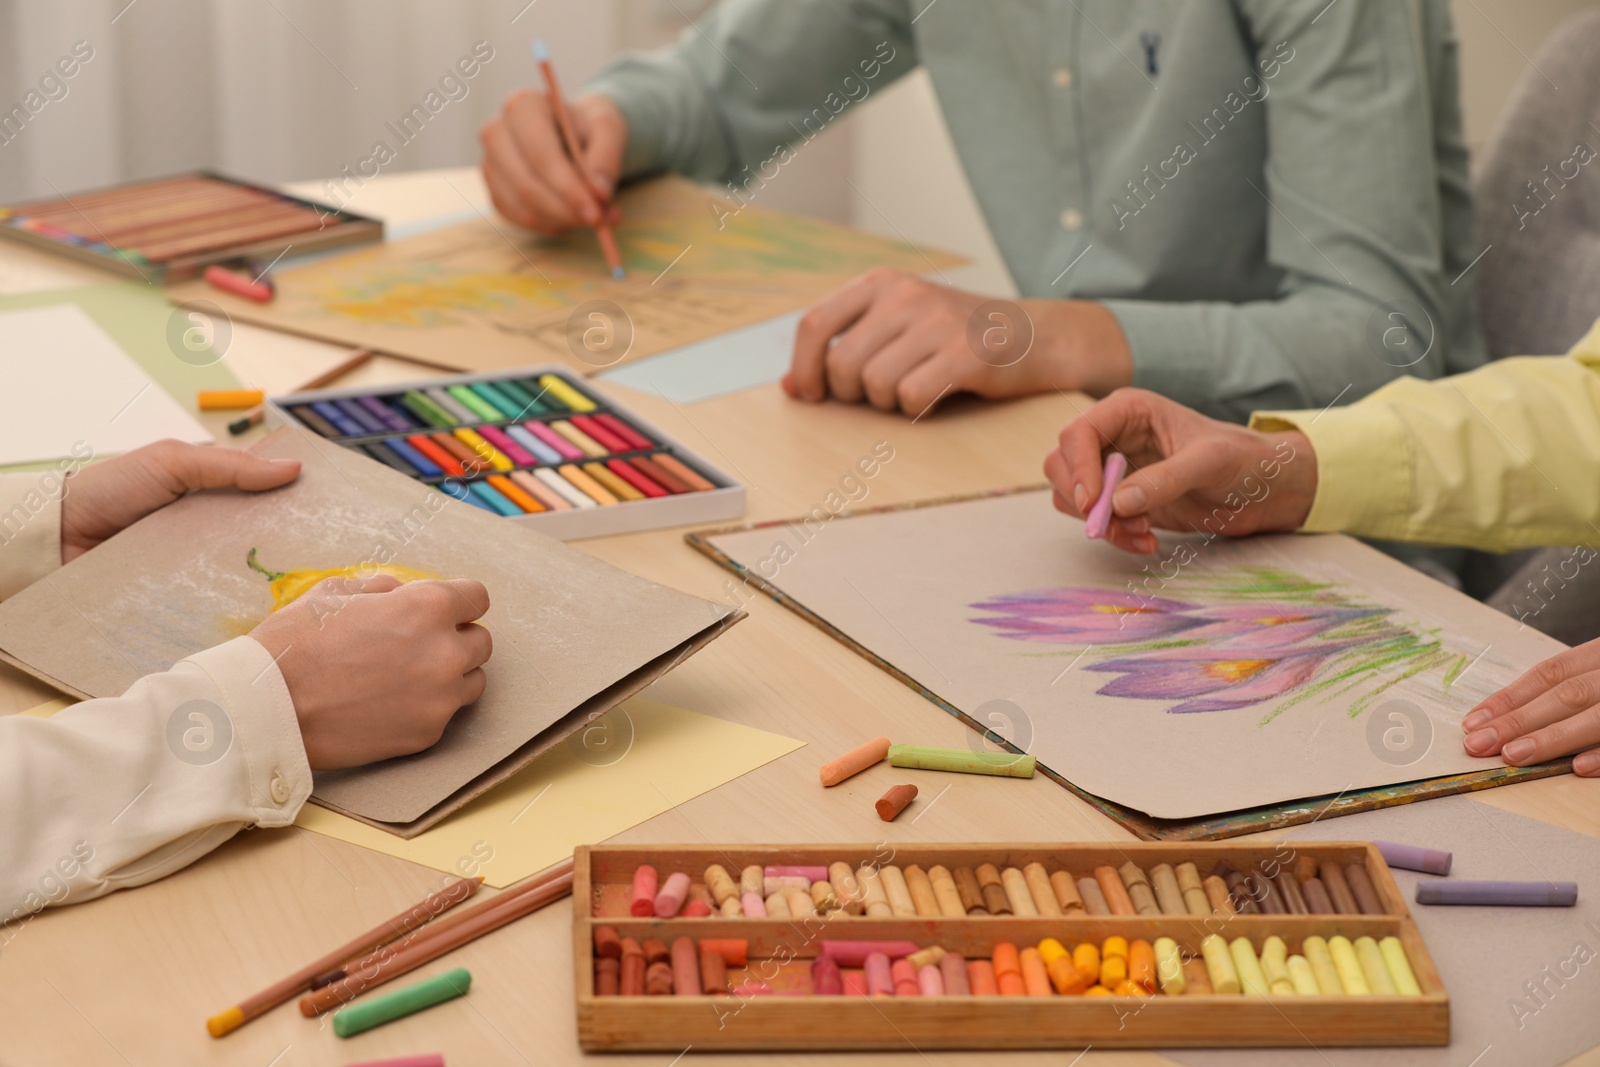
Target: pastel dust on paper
629, 765
1235, 639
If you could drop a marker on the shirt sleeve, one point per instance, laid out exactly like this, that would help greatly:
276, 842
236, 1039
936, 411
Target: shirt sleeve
1356, 206
1499, 459
750, 78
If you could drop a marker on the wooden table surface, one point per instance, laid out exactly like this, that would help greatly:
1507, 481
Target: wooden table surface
131, 978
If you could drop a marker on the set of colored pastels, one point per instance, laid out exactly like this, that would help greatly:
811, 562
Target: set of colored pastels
532, 445
1033, 890
1136, 945
1112, 966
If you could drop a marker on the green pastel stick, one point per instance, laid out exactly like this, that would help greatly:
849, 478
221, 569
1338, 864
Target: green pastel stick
508, 408
347, 1022
921, 757
425, 409
525, 399
475, 403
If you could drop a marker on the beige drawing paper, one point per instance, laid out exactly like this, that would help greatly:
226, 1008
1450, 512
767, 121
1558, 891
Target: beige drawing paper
1229, 675
630, 765
573, 636
483, 295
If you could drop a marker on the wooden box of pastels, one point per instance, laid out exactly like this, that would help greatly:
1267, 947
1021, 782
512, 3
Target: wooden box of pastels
998, 947
533, 445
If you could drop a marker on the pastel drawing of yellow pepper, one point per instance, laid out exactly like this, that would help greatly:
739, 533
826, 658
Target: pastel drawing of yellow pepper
289, 586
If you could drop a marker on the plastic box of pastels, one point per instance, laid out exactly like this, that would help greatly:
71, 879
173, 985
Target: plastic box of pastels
998, 946
534, 445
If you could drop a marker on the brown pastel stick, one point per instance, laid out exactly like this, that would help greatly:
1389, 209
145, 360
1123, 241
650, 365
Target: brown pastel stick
971, 895
1139, 892
606, 942
1094, 901
944, 891
1217, 893
855, 761
607, 977
1316, 894
685, 968
1305, 867
846, 889
1115, 892
658, 980
994, 893
1361, 887
1066, 891
1265, 894
1165, 882
1198, 978
632, 984
920, 887
713, 972
656, 951
1240, 892
1195, 900
1044, 897
895, 800
1289, 887
1344, 902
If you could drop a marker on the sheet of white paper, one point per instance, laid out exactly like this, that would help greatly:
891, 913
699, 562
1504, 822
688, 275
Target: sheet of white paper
77, 392
739, 359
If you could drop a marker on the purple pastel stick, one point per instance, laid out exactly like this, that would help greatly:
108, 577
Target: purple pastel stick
386, 414
1415, 857
1094, 527
1510, 894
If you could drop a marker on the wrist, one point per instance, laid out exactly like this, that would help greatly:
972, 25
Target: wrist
1297, 478
1082, 347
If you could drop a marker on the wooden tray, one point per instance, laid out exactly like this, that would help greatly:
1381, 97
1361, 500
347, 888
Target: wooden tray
778, 948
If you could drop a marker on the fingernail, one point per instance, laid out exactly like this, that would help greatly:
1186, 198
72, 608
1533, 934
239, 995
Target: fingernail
1139, 524
1475, 718
1586, 763
285, 460
1129, 500
1481, 743
1080, 496
1518, 750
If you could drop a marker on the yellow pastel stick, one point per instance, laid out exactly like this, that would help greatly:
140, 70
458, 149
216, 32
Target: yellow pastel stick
1373, 967
591, 448
1344, 958
594, 489
609, 479
566, 393
1322, 966
474, 440
1219, 965
1394, 956
1251, 978
1303, 977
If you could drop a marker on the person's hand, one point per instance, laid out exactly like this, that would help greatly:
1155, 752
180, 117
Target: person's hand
1552, 710
105, 498
1188, 472
531, 179
900, 341
377, 669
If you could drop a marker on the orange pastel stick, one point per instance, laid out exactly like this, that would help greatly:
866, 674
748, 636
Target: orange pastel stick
1006, 959
856, 760
1142, 965
980, 976
1116, 893
1034, 976
448, 463
515, 493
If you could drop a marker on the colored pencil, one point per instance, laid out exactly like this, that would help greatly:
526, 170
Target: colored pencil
255, 415
569, 135
427, 945
435, 903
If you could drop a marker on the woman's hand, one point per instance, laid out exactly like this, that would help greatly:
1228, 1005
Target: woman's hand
1552, 710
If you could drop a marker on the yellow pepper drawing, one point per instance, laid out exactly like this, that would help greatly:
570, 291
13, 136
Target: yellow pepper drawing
289, 586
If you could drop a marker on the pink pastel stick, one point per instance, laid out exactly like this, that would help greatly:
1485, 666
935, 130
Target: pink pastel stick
696, 909
880, 983
672, 895
825, 978
544, 433
810, 874
1094, 527
931, 981
644, 891
855, 953
755, 988
514, 452
753, 906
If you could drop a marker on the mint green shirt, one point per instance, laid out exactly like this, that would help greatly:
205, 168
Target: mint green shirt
1246, 185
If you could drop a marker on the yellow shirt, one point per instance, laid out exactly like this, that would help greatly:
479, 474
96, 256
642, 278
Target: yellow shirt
1502, 458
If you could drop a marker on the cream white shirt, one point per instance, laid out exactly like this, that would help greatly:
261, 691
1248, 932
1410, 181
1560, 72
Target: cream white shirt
117, 792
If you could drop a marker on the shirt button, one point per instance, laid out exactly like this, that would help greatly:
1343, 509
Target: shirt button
1071, 219
1063, 77
279, 789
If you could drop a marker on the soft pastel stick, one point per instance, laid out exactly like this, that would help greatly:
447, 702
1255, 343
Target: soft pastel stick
600, 433
475, 403
587, 485
630, 435
826, 980
1116, 894
930, 981
315, 421
476, 441
954, 970
565, 489
452, 488
342, 422
614, 485
360, 416
564, 448
378, 451
684, 471
431, 414
855, 761
880, 980
645, 886
590, 447
527, 403
1322, 966
458, 411
1415, 857
660, 475
491, 496
558, 388
499, 401
1355, 875
962, 761
515, 493
904, 974
1351, 977
376, 1011
809, 873
1373, 967
229, 399
1400, 973
544, 452
385, 414
981, 979
634, 478
670, 898
855, 953
539, 491
430, 450
1508, 894
470, 461
1094, 901
1219, 965
854, 982
754, 905
1302, 976
512, 451
1099, 517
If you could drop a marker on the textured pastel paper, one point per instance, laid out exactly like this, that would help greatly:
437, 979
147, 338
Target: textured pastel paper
75, 392
483, 295
739, 359
1258, 672
573, 636
633, 763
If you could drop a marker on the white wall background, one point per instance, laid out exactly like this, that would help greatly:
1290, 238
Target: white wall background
284, 90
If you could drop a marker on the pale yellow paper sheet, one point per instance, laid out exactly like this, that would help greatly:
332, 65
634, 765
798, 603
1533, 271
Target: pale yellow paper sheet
631, 764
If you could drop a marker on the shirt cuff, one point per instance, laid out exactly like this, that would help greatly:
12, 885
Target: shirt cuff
30, 529
1363, 467
264, 725
1166, 350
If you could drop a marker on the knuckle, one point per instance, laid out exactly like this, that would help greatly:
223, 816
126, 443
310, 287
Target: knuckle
1574, 693
1549, 673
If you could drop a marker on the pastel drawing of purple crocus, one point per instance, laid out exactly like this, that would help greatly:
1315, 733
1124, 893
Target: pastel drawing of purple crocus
1212, 678
1087, 616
